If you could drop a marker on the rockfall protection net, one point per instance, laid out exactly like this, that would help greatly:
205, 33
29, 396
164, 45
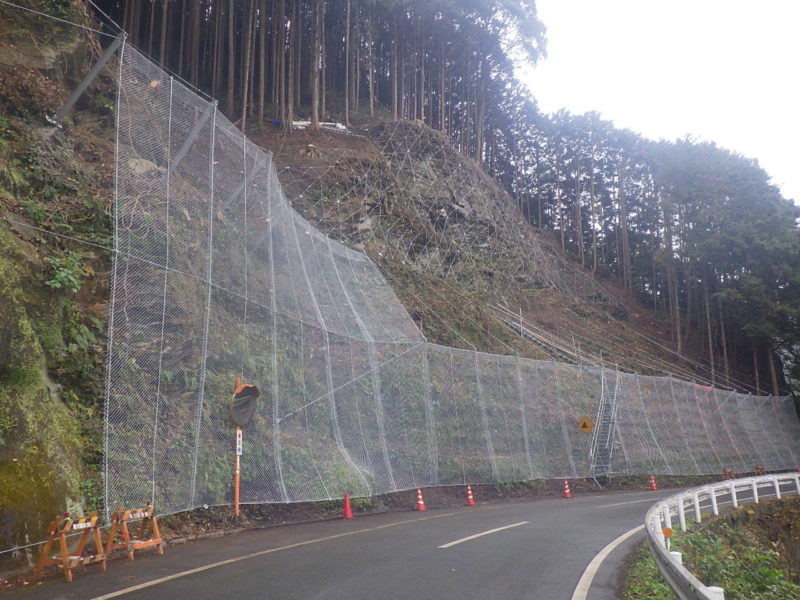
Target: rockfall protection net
216, 276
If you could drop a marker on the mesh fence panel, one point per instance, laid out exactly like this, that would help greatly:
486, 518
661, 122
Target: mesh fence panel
216, 276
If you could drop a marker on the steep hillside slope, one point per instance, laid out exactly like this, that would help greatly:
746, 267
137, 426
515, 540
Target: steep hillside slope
472, 273
53, 284
469, 268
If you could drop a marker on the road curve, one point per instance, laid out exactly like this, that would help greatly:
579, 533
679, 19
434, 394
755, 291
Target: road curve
532, 550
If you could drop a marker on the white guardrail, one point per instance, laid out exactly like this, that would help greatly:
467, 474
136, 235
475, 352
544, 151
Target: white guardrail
695, 502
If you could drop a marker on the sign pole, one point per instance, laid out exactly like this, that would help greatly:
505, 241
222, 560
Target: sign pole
236, 471
240, 411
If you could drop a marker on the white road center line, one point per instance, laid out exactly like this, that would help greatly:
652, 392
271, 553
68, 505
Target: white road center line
585, 582
624, 503
483, 533
237, 559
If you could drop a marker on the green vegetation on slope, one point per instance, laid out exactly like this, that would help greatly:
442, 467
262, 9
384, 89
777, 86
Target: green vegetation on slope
40, 440
753, 553
53, 290
643, 581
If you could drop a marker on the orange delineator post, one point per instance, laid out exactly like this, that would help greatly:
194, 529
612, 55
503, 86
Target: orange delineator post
60, 528
119, 526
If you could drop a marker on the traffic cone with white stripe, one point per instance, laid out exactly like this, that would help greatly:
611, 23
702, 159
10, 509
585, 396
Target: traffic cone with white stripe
420, 501
567, 493
653, 486
470, 497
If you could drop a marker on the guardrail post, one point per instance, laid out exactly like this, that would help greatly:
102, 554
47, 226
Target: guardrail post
713, 496
754, 487
677, 556
667, 516
797, 483
777, 487
696, 501
658, 532
732, 488
715, 593
681, 515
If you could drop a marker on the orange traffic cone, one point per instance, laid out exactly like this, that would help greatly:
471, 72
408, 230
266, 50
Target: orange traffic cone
420, 501
347, 513
470, 497
653, 486
567, 493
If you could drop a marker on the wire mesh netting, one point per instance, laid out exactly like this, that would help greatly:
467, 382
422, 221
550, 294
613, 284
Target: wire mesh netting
216, 276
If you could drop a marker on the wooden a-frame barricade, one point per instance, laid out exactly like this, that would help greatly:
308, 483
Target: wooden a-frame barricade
59, 529
119, 536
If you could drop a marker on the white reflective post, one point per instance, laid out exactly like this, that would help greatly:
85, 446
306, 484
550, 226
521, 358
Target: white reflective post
734, 499
696, 501
657, 531
754, 488
715, 593
667, 516
681, 514
777, 487
712, 494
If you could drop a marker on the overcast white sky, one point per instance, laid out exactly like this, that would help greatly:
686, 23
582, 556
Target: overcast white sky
721, 70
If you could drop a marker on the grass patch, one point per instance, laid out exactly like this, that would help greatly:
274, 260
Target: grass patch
643, 580
752, 553
732, 555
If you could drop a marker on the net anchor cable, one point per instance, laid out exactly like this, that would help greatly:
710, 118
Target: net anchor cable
88, 79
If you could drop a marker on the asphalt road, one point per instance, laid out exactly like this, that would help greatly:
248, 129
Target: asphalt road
533, 550
539, 555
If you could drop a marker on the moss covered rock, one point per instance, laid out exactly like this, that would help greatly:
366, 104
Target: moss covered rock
39, 438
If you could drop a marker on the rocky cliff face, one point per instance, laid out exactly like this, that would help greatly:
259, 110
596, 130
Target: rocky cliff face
40, 441
54, 186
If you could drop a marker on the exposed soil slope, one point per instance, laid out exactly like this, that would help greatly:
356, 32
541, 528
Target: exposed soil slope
454, 246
